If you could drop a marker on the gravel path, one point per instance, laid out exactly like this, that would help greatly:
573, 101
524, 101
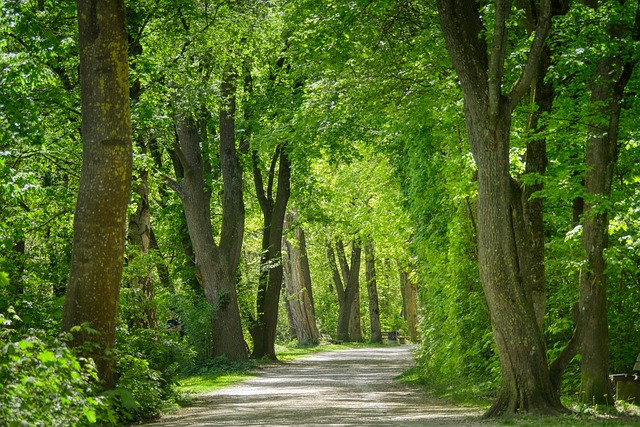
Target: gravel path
339, 388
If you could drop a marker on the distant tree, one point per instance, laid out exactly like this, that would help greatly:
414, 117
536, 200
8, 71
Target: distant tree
100, 216
273, 203
372, 291
298, 295
347, 282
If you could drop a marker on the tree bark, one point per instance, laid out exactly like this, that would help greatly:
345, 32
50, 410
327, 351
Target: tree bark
355, 323
297, 280
351, 275
409, 303
103, 196
607, 90
372, 291
525, 384
215, 264
273, 209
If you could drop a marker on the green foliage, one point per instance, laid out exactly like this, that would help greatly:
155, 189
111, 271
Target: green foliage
147, 367
42, 382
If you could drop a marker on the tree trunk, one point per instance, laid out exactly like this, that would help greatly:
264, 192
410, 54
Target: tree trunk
410, 304
273, 209
372, 291
103, 196
607, 86
140, 236
351, 280
299, 308
215, 264
526, 385
355, 324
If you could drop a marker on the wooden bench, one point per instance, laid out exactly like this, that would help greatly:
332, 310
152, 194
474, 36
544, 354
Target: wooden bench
393, 337
627, 387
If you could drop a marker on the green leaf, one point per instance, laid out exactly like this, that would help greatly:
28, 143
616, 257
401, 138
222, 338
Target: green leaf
47, 356
90, 414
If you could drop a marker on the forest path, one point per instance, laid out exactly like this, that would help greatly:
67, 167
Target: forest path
337, 388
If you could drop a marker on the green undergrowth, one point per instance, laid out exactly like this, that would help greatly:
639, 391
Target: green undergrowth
480, 395
460, 392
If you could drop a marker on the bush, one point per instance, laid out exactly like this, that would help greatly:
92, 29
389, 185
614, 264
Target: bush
42, 383
146, 369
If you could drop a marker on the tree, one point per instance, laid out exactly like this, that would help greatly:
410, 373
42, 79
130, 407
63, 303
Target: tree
100, 216
215, 263
372, 291
297, 279
611, 75
271, 272
525, 384
347, 285
409, 292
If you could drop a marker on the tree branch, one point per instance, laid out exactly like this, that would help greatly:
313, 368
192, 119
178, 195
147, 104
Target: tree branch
272, 172
535, 54
174, 185
496, 58
265, 206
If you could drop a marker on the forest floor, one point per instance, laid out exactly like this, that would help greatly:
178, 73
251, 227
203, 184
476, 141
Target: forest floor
354, 387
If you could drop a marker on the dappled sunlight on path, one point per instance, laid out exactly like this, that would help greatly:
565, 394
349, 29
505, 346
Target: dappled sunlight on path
339, 388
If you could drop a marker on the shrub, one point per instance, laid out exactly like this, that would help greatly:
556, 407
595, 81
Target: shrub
42, 383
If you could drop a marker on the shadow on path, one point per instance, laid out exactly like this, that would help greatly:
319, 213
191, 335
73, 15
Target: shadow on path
338, 388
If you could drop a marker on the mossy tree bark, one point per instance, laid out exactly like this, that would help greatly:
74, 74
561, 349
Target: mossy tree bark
525, 384
103, 196
297, 281
347, 282
611, 75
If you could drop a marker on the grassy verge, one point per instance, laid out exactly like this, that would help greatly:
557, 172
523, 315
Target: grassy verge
480, 396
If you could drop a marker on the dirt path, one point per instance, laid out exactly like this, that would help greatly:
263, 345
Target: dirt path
339, 388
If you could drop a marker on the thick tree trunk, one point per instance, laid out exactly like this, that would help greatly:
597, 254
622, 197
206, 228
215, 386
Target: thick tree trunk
263, 331
355, 323
601, 155
215, 264
372, 291
299, 308
351, 277
526, 385
214, 271
409, 303
607, 86
100, 216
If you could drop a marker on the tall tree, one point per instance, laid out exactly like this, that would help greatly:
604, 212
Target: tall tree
409, 303
347, 284
274, 208
216, 264
611, 75
372, 291
100, 216
298, 295
525, 384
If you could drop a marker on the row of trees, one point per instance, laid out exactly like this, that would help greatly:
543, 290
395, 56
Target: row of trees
217, 157
482, 151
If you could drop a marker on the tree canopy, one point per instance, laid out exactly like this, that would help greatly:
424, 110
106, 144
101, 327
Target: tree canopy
482, 154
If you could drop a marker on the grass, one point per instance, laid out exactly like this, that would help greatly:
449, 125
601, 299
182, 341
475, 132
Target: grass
479, 395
